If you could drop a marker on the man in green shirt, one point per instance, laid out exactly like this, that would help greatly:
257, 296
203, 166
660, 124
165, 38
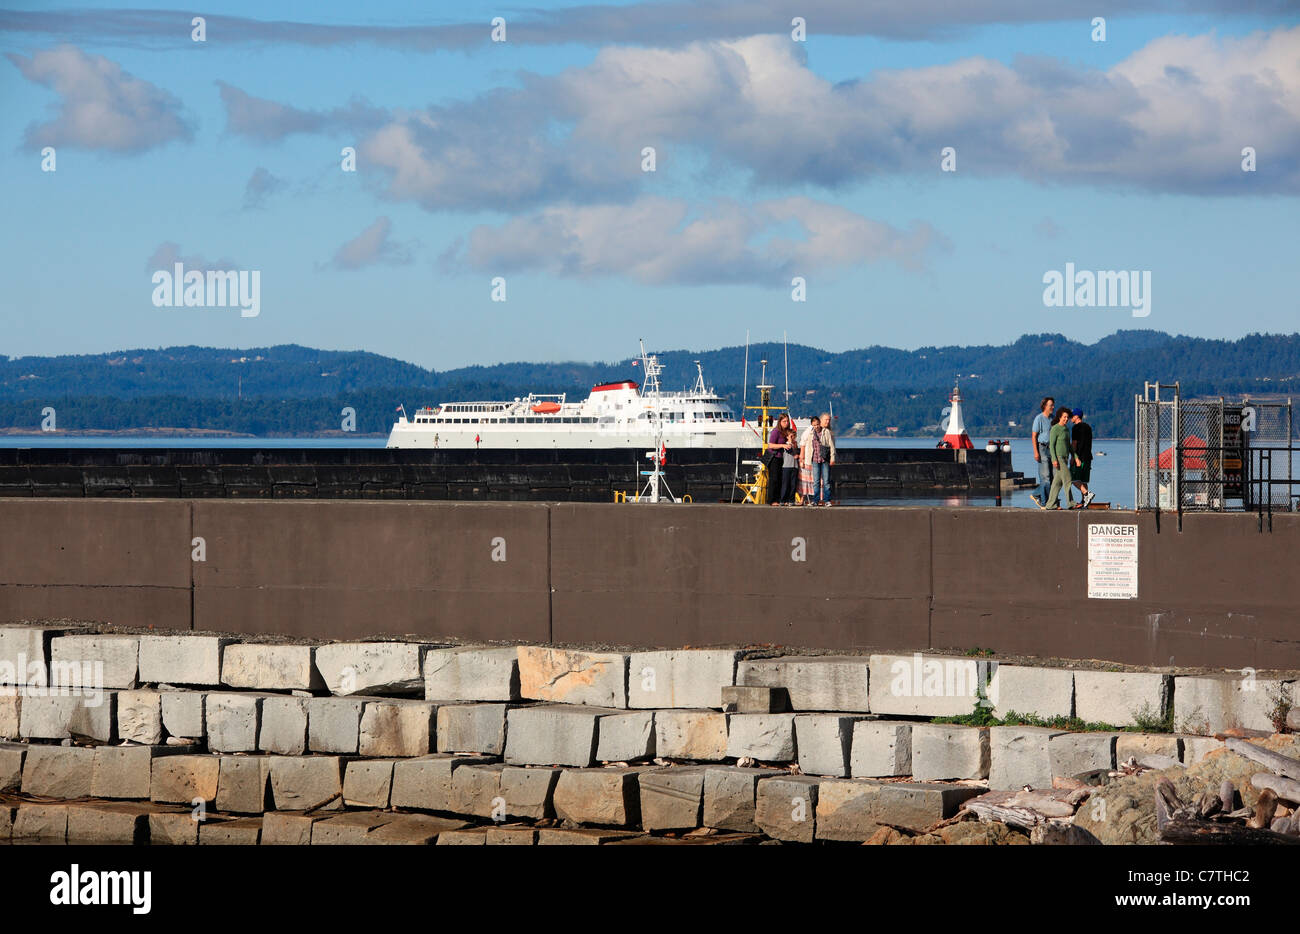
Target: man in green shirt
1058, 447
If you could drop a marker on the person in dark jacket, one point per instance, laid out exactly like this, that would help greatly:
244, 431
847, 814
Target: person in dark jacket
785, 469
1081, 435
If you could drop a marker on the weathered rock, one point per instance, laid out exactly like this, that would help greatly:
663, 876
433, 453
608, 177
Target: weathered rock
814, 682
25, 652
98, 823
44, 822
597, 679
1141, 745
512, 835
1214, 703
190, 660
239, 831
768, 737
271, 667
626, 737
126, 771
580, 836
746, 698
11, 766
824, 741
288, 828
139, 717
1020, 757
785, 808
476, 790
173, 828
100, 661
284, 727
306, 782
60, 716
426, 783
243, 785
182, 714
855, 809
384, 668
552, 734
397, 728
334, 724
729, 797
926, 685
412, 830
233, 721
1072, 753
58, 771
10, 713
349, 829
529, 791
881, 747
681, 678
472, 728
607, 797
469, 836
1028, 689
1116, 698
691, 734
185, 779
944, 751
1196, 748
672, 799
368, 783
472, 673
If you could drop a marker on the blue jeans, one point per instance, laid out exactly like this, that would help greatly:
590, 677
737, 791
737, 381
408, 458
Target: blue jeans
1044, 473
821, 482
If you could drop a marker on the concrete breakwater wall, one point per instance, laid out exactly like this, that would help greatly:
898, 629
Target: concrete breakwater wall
1215, 594
379, 473
201, 739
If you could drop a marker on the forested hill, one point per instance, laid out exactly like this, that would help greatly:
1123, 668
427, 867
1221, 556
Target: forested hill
290, 389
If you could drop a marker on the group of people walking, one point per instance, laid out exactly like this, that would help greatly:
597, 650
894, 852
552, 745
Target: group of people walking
800, 464
1062, 443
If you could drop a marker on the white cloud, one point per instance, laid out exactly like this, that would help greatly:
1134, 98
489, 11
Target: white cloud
370, 247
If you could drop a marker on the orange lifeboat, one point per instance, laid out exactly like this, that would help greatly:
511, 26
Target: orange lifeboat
546, 408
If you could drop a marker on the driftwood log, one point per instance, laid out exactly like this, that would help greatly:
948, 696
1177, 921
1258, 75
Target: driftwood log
1180, 824
1288, 789
1282, 765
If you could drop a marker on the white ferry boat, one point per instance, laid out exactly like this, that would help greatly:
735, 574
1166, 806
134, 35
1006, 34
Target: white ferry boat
614, 415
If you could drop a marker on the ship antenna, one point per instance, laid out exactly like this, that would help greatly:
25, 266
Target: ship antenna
785, 340
744, 387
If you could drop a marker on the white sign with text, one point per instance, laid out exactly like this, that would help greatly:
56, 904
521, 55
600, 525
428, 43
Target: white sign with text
1112, 561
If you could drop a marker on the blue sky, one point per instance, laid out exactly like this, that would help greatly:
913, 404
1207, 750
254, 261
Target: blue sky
521, 159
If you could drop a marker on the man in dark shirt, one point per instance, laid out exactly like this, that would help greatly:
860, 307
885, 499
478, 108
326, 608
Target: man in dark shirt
1082, 441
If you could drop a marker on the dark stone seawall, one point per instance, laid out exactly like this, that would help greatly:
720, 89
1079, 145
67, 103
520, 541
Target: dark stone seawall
381, 473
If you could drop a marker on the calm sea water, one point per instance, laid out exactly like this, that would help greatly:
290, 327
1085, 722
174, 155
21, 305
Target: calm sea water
1112, 467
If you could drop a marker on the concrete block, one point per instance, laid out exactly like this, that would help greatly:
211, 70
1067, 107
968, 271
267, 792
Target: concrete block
382, 668
397, 727
233, 721
125, 772
173, 828
745, 698
919, 685
824, 742
552, 734
182, 714
1114, 697
139, 717
852, 810
468, 836
368, 783
1020, 757
189, 660
61, 716
412, 830
514, 835
680, 678
334, 724
7, 814
472, 728
183, 779
785, 808
301, 783
10, 713
1215, 703
349, 829
598, 679
281, 828
1140, 745
44, 822
672, 799
476, 789
240, 831
529, 792
271, 667
242, 785
283, 730
691, 734
101, 661
1196, 748
25, 652
942, 751
581, 836
1026, 689
426, 783
768, 737
58, 771
472, 673
606, 797
1073, 753
11, 766
814, 682
881, 748
729, 797
98, 823
626, 737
